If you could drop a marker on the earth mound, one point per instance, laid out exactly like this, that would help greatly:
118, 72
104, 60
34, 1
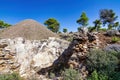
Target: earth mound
28, 29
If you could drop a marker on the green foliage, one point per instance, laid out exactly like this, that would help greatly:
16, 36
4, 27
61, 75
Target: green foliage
64, 30
118, 28
97, 76
116, 24
115, 39
101, 61
105, 64
100, 76
91, 28
3, 24
103, 29
83, 20
59, 32
78, 29
52, 75
94, 76
6, 25
71, 74
115, 76
108, 17
97, 24
13, 76
52, 24
70, 39
110, 26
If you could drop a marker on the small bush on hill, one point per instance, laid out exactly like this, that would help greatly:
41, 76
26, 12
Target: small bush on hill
71, 74
115, 39
101, 61
97, 76
103, 29
103, 65
13, 76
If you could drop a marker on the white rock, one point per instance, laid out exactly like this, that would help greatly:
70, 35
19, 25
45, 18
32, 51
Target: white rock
34, 54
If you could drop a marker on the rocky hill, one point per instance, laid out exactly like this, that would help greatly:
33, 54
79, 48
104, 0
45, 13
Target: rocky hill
39, 58
28, 29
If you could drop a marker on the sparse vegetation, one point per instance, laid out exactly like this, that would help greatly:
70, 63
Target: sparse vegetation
83, 20
3, 24
115, 39
65, 30
103, 29
71, 74
101, 61
97, 24
97, 76
102, 65
52, 24
13, 76
109, 17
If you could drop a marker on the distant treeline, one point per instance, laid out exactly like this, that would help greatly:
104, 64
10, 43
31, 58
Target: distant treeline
107, 17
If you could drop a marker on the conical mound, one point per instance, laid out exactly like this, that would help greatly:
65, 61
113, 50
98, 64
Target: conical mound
28, 29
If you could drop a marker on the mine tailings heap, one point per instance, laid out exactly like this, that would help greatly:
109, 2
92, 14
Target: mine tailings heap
28, 29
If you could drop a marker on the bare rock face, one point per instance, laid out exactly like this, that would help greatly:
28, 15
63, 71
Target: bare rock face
112, 47
27, 56
113, 33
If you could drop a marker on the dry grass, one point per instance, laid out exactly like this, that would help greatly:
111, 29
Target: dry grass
29, 29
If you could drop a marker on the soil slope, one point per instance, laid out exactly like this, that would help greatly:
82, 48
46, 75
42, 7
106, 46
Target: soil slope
28, 29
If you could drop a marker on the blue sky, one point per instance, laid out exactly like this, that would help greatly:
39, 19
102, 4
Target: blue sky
65, 11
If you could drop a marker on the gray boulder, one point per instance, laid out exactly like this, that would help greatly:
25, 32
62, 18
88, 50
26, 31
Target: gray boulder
113, 33
112, 47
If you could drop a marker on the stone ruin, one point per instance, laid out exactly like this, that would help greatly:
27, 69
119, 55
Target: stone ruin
75, 55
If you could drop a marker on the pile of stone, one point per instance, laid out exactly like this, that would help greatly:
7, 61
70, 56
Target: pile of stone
83, 44
74, 56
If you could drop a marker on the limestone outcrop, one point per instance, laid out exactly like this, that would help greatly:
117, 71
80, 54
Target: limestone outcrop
27, 56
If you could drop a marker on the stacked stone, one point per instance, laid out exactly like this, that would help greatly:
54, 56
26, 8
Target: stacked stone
83, 43
75, 55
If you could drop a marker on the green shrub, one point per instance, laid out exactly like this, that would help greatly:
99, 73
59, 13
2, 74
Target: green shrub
52, 75
71, 74
105, 64
13, 76
101, 61
97, 76
103, 29
115, 39
70, 39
